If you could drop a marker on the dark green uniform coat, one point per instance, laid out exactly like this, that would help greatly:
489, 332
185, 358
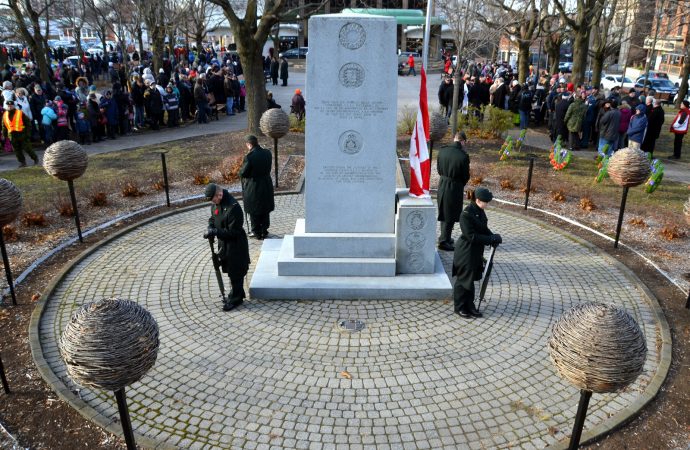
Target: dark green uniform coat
257, 186
453, 166
469, 249
233, 248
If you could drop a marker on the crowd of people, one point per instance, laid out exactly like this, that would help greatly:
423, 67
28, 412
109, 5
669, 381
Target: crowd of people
582, 115
188, 87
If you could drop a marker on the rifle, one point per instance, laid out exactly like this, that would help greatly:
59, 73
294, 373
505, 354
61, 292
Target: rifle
216, 266
486, 275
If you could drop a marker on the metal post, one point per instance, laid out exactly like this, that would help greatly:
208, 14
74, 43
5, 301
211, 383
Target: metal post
620, 216
275, 158
165, 179
580, 419
529, 180
8, 271
5, 386
124, 418
70, 183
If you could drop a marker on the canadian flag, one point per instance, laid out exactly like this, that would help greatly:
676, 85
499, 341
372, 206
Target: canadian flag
420, 165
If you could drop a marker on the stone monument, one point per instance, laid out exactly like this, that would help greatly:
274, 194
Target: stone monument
347, 245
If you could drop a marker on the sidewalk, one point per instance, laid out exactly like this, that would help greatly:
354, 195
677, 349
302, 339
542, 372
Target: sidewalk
673, 170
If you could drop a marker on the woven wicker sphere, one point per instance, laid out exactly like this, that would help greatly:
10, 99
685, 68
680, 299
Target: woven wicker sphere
598, 347
629, 167
109, 344
10, 202
686, 211
438, 126
65, 160
274, 123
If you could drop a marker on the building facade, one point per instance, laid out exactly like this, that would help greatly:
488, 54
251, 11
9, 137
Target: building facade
669, 36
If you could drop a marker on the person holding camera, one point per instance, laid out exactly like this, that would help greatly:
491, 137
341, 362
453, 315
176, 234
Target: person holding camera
226, 224
469, 251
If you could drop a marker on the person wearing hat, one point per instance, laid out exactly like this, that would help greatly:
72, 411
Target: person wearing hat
453, 165
679, 127
637, 128
469, 251
17, 127
655, 119
225, 224
257, 187
298, 105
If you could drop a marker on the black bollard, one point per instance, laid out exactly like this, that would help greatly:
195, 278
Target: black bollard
70, 183
529, 180
165, 179
5, 386
8, 271
275, 158
620, 216
580, 419
124, 418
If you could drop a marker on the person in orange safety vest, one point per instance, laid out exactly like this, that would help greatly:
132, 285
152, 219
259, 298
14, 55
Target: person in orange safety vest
17, 127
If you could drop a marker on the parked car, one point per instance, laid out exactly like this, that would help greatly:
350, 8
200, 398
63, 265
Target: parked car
609, 81
655, 74
296, 53
662, 88
565, 67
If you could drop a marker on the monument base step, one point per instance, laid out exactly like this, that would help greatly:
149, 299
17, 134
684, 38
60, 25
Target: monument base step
342, 245
289, 265
267, 284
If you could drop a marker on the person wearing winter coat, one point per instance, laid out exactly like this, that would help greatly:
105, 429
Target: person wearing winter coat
626, 115
498, 97
283, 70
637, 127
274, 68
48, 118
111, 112
607, 125
137, 92
469, 248
525, 106
298, 106
171, 106
21, 101
445, 94
574, 118
561, 128
655, 121
155, 101
148, 75
514, 97
62, 129
82, 90
229, 88
201, 101
679, 128
96, 118
83, 129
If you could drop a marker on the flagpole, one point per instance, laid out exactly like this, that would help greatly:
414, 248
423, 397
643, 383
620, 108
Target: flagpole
427, 35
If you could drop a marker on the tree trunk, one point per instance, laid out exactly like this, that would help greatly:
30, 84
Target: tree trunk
523, 60
580, 47
685, 71
597, 67
157, 47
253, 66
77, 41
553, 51
140, 41
198, 39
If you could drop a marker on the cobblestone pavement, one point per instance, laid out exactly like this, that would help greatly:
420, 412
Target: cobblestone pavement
270, 374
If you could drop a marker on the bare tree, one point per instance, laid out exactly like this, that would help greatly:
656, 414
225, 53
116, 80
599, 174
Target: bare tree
580, 20
27, 17
251, 32
73, 13
97, 17
200, 15
604, 43
553, 34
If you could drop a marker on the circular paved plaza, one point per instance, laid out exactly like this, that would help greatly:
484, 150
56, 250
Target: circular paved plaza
283, 374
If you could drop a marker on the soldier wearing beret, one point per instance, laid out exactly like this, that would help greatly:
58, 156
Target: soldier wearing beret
453, 165
257, 187
469, 251
233, 249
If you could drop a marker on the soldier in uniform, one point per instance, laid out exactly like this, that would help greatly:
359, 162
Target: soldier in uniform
453, 166
257, 187
233, 249
469, 251
17, 127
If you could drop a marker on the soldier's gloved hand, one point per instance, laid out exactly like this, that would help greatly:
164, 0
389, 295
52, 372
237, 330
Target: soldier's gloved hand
496, 239
210, 233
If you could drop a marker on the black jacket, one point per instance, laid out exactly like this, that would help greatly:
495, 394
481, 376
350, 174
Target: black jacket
453, 165
655, 119
257, 186
469, 248
233, 249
